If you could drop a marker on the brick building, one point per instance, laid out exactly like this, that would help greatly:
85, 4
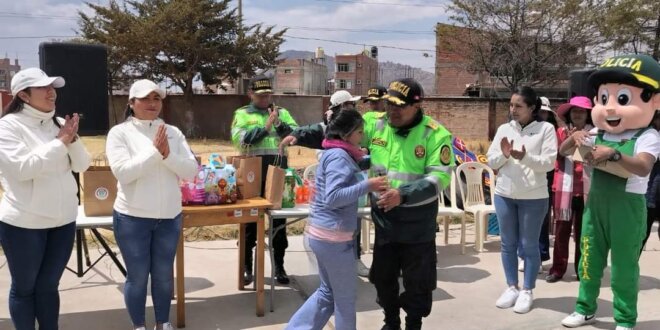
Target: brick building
301, 77
453, 77
7, 71
356, 73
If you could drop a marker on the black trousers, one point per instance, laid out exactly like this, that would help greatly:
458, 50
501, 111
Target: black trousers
280, 241
417, 264
652, 215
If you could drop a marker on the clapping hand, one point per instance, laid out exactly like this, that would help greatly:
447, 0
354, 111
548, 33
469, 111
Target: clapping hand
69, 131
160, 141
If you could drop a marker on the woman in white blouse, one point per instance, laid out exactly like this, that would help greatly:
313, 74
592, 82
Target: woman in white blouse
522, 151
39, 207
148, 157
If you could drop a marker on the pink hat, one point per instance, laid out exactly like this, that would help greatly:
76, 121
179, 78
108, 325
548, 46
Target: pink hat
575, 102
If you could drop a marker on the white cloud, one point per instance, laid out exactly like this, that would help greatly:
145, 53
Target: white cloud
356, 16
48, 18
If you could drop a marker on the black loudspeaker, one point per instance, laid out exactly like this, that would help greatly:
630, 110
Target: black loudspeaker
85, 69
578, 84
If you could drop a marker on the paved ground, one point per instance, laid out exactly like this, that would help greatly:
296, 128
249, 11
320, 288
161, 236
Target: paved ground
468, 287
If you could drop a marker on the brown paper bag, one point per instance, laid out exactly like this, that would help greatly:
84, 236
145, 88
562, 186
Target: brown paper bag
248, 175
609, 167
274, 186
99, 191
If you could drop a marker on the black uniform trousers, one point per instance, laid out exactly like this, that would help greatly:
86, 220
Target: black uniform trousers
280, 241
416, 262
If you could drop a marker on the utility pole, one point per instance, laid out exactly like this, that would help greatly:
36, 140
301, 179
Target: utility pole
240, 13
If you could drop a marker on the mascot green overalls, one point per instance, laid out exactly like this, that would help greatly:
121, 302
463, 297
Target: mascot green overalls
627, 95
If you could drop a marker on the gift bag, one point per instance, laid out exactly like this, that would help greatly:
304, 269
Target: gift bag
248, 175
99, 188
219, 181
275, 184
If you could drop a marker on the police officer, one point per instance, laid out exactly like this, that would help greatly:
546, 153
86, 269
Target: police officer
258, 128
414, 151
374, 100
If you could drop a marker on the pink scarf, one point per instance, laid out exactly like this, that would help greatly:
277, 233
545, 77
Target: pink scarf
356, 153
571, 179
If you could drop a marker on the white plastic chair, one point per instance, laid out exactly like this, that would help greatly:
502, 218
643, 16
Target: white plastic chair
446, 212
474, 201
310, 173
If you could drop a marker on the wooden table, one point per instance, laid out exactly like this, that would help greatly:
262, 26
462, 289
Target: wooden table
242, 213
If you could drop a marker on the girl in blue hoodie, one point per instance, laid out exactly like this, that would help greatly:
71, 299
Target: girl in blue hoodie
333, 224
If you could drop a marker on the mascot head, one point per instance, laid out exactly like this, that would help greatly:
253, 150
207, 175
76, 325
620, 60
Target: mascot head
627, 93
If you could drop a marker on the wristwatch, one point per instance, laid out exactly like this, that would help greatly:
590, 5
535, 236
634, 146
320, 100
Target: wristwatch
616, 156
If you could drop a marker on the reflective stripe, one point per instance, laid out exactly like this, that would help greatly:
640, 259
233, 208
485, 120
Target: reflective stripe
378, 170
380, 124
237, 130
427, 132
429, 200
430, 169
406, 177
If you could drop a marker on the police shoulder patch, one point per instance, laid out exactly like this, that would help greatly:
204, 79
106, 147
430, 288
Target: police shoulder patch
420, 151
445, 155
432, 124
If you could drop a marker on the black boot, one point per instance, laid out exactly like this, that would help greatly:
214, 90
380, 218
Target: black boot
247, 276
280, 275
392, 320
413, 323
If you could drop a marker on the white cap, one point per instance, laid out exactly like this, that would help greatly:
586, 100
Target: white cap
33, 77
143, 87
340, 97
545, 104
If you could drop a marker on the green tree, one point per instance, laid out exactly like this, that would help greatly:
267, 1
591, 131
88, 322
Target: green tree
525, 41
632, 25
180, 41
112, 26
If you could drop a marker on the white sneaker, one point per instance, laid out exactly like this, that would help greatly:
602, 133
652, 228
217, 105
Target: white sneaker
524, 302
166, 326
619, 327
521, 265
141, 328
577, 320
508, 298
362, 269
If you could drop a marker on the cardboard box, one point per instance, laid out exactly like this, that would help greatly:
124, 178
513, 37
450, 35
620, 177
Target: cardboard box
609, 167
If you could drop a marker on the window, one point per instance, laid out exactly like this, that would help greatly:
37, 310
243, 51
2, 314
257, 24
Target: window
2, 84
349, 84
287, 71
343, 67
341, 84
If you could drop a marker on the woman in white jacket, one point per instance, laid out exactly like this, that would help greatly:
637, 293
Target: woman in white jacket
522, 151
39, 207
148, 157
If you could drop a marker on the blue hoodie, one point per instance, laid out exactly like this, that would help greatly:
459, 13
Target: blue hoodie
338, 188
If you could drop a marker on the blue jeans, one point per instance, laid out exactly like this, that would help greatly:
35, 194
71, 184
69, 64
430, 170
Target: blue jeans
148, 246
520, 222
36, 260
337, 291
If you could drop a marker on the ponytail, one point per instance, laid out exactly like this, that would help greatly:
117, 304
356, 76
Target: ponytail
128, 112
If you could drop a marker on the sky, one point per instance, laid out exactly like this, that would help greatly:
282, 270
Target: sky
396, 23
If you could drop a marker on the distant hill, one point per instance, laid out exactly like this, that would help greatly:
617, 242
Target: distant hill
389, 70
